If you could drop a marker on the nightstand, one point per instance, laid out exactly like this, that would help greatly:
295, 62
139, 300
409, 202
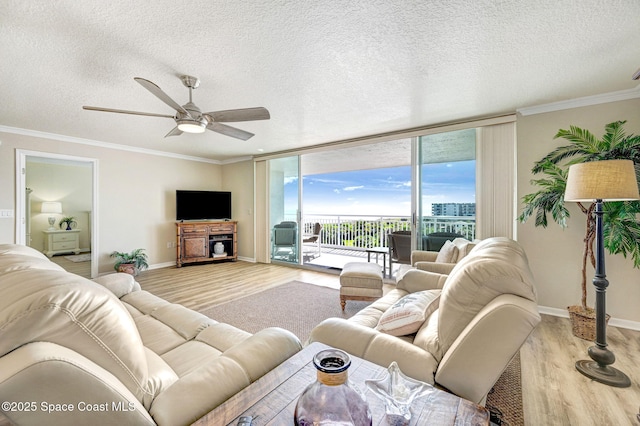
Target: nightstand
56, 242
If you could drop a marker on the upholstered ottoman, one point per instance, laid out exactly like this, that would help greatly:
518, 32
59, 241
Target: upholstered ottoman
360, 281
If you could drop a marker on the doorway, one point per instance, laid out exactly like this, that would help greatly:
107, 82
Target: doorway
70, 184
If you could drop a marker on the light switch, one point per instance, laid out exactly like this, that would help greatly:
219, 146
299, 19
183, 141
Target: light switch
6, 214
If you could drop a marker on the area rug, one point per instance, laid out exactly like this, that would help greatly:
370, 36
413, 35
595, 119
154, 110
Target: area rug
299, 307
79, 257
504, 401
294, 306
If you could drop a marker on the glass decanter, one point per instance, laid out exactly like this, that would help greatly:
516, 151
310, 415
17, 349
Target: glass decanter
331, 399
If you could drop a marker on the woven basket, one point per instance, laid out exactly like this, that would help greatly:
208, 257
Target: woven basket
583, 323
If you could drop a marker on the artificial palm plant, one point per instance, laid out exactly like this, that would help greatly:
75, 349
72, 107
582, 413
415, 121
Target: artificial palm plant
621, 228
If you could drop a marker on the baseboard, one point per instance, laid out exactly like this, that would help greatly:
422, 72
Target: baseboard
173, 263
615, 322
162, 265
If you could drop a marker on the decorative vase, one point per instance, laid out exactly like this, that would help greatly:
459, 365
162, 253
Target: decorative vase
331, 399
398, 392
218, 248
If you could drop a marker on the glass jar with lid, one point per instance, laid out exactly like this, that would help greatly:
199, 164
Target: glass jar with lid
331, 399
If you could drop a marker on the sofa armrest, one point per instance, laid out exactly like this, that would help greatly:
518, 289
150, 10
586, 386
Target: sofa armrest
416, 280
437, 267
480, 354
423, 256
208, 386
376, 347
46, 373
119, 283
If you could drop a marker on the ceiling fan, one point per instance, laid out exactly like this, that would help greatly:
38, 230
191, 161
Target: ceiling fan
189, 117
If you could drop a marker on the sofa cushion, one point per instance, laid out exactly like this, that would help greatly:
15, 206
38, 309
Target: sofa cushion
408, 314
71, 311
448, 253
144, 301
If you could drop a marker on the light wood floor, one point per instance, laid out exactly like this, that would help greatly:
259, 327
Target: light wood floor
554, 393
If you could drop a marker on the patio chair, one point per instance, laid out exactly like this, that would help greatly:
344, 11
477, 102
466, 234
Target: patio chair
312, 239
399, 243
284, 241
435, 240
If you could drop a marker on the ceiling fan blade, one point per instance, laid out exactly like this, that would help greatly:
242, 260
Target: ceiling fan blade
157, 92
229, 131
244, 114
122, 111
174, 132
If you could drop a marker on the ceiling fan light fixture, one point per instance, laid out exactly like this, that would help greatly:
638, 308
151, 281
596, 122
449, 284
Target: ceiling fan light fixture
191, 126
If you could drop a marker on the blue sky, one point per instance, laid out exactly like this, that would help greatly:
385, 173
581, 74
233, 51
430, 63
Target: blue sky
384, 192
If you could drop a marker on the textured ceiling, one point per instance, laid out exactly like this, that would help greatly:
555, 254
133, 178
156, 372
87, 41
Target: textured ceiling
326, 70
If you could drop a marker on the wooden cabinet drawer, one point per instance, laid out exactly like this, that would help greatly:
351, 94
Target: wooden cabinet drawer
194, 229
221, 227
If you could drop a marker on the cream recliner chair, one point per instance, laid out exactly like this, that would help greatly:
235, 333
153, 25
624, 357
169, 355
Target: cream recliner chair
474, 321
442, 261
76, 351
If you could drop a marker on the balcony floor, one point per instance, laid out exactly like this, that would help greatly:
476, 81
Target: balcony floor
336, 258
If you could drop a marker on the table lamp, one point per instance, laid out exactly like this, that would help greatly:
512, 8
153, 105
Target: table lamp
600, 181
51, 207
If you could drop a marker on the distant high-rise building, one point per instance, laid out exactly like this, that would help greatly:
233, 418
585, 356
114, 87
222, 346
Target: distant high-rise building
453, 209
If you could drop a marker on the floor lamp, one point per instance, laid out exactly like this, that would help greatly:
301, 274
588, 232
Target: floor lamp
599, 181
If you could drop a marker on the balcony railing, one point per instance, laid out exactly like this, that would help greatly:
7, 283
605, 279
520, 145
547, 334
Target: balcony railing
362, 232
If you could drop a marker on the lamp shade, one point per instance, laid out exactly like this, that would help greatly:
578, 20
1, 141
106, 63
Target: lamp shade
607, 180
51, 207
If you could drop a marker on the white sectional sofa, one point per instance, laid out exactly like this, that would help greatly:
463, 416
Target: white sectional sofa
77, 351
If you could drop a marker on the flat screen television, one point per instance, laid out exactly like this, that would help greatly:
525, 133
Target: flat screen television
203, 205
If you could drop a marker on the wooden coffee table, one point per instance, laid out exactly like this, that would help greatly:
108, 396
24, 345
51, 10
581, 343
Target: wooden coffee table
272, 399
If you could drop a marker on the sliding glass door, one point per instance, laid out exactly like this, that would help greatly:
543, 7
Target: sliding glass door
438, 186
284, 209
446, 193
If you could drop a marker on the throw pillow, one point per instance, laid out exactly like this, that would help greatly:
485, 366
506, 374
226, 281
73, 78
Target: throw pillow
448, 253
464, 247
408, 314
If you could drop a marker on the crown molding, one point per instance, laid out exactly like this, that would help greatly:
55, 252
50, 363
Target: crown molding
107, 145
236, 160
621, 95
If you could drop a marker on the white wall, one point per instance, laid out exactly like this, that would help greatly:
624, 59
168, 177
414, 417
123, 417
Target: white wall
238, 178
136, 194
555, 255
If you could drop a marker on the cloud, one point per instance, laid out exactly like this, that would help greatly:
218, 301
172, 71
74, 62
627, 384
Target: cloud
352, 188
289, 180
337, 191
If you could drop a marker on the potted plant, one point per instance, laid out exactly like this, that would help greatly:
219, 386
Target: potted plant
621, 228
68, 223
130, 263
